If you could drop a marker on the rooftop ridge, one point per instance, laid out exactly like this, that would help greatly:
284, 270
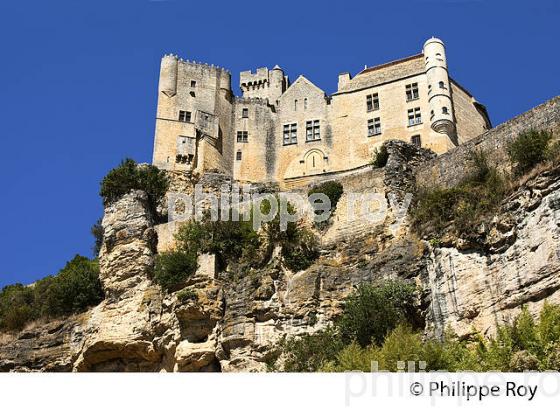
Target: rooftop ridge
390, 63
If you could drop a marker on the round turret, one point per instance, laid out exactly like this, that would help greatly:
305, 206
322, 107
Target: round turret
439, 94
168, 75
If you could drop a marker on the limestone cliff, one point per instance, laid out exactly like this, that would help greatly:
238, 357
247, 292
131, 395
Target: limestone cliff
233, 321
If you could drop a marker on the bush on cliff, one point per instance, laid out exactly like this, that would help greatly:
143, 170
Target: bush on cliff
333, 190
380, 157
75, 288
373, 310
370, 313
463, 206
129, 176
529, 149
174, 267
524, 344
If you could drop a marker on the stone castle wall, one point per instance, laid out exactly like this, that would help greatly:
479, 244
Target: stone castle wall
450, 168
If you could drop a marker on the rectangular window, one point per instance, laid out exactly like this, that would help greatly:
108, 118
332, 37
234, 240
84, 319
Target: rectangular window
290, 134
193, 83
238, 155
245, 113
242, 136
374, 127
412, 92
312, 130
185, 116
372, 102
414, 116
415, 140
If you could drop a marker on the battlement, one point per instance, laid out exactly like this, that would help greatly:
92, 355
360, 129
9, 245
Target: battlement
197, 64
251, 100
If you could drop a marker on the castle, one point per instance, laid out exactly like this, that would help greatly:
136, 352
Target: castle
280, 131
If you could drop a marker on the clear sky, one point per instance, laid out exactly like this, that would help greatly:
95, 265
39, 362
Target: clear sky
78, 84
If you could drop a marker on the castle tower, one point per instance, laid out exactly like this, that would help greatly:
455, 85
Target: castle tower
265, 84
193, 116
439, 89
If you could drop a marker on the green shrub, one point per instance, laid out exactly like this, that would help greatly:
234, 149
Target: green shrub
129, 176
16, 306
186, 295
373, 310
231, 241
462, 207
529, 149
301, 250
380, 157
174, 267
333, 190
308, 353
75, 288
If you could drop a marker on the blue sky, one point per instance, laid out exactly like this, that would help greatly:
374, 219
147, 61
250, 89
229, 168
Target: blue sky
78, 84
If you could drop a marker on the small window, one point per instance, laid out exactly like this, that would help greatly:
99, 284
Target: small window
295, 105
444, 110
432, 115
312, 130
242, 136
415, 140
412, 92
245, 113
305, 103
414, 116
193, 83
374, 127
442, 85
238, 155
372, 102
185, 116
290, 134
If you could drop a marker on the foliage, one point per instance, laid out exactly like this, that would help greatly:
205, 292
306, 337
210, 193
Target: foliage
129, 176
373, 310
75, 288
300, 250
523, 345
333, 190
464, 206
309, 353
380, 157
97, 232
529, 149
174, 267
186, 295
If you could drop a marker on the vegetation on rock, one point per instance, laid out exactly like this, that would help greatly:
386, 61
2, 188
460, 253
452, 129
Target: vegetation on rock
129, 176
380, 157
529, 149
333, 190
75, 288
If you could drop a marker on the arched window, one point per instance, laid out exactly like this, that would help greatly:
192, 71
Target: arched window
305, 103
441, 84
445, 110
295, 105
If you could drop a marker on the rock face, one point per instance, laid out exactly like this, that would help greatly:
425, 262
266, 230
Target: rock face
232, 322
475, 289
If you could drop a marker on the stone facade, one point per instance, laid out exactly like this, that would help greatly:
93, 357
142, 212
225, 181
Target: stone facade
277, 131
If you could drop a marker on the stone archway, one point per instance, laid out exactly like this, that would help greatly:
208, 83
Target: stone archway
314, 162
